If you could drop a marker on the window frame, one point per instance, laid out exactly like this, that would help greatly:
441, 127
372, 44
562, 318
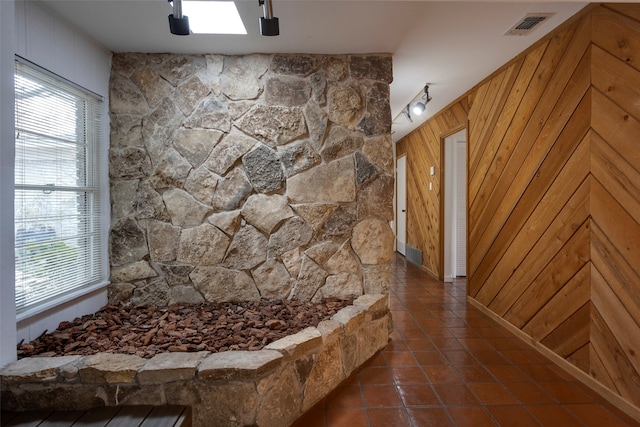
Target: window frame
97, 186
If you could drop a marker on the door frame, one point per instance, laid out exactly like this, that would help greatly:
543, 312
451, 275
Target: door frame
442, 236
400, 249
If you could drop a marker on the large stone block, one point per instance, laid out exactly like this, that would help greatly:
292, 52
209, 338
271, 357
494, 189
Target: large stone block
136, 271
377, 118
241, 76
228, 151
196, 144
239, 365
129, 162
263, 168
327, 373
281, 401
273, 280
232, 191
202, 245
346, 104
175, 68
184, 209
169, 367
310, 279
287, 91
127, 242
294, 346
297, 157
219, 284
379, 149
372, 240
35, 369
125, 97
247, 249
341, 286
293, 233
340, 143
273, 125
153, 87
211, 113
110, 368
265, 212
331, 183
374, 67
375, 199
298, 65
201, 184
190, 93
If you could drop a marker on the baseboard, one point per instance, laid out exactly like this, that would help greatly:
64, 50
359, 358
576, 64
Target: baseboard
613, 398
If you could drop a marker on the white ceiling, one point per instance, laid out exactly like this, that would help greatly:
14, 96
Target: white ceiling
450, 45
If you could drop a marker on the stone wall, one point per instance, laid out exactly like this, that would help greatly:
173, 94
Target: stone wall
268, 388
247, 177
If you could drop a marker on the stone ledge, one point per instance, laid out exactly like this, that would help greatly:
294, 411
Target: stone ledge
269, 387
299, 344
238, 365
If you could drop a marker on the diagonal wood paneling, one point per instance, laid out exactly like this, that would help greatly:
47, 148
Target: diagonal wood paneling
423, 149
554, 193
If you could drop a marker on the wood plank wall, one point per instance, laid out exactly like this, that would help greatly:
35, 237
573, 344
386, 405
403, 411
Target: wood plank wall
553, 193
423, 149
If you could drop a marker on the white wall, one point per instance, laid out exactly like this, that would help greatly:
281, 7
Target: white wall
7, 294
46, 40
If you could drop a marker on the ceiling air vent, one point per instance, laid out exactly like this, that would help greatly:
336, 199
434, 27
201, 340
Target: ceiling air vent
526, 25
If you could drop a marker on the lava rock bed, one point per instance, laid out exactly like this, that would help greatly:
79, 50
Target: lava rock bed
214, 327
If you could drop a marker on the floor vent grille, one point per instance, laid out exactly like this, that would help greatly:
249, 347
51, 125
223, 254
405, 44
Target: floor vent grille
527, 24
414, 255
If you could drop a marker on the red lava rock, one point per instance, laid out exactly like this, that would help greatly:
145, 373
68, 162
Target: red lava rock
147, 331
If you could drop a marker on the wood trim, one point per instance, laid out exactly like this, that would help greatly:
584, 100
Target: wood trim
612, 397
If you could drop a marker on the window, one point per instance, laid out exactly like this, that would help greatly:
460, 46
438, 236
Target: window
58, 240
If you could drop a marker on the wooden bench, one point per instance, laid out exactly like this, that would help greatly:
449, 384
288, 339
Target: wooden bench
112, 416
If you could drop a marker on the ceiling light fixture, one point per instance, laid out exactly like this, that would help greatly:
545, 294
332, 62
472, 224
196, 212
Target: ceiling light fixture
407, 113
178, 23
269, 25
420, 106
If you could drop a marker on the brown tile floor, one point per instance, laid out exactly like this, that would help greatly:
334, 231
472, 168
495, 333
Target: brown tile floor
447, 364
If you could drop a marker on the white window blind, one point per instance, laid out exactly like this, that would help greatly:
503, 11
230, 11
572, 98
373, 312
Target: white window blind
58, 246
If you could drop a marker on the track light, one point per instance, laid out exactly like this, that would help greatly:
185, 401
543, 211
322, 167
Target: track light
407, 113
269, 25
178, 23
420, 106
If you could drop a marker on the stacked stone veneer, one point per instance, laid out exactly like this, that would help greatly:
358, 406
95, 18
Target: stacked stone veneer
270, 387
237, 178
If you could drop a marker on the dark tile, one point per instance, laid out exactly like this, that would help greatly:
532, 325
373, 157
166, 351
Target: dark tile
347, 418
429, 358
348, 396
403, 375
380, 396
375, 375
474, 374
507, 373
429, 417
528, 393
418, 395
492, 394
512, 416
455, 394
595, 415
553, 415
470, 416
399, 358
565, 392
441, 374
311, 418
388, 417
